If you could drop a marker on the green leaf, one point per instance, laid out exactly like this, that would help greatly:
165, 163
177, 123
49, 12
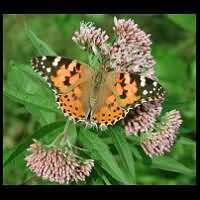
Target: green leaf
43, 116
169, 164
11, 173
72, 133
41, 47
186, 141
26, 87
50, 129
186, 21
100, 152
124, 150
97, 181
102, 176
28, 99
136, 152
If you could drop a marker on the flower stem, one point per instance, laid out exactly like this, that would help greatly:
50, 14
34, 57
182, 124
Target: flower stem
64, 140
61, 138
79, 148
55, 142
66, 129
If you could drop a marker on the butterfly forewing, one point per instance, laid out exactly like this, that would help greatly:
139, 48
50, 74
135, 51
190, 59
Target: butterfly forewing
57, 71
70, 80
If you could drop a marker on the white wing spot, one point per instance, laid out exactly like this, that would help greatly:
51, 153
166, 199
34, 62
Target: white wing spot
150, 91
145, 92
41, 63
56, 61
48, 69
154, 89
44, 57
143, 81
155, 83
43, 66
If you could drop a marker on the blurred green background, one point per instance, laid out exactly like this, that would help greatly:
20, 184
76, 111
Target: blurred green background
174, 50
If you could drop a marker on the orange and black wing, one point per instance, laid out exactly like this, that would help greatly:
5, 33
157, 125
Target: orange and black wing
70, 81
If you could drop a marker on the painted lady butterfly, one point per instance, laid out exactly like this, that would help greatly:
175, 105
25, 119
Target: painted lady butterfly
97, 97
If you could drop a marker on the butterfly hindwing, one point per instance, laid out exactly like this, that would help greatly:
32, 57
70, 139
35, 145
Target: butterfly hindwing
106, 110
133, 89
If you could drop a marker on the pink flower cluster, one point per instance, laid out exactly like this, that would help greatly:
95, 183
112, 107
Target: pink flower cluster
57, 165
142, 118
131, 51
90, 38
161, 141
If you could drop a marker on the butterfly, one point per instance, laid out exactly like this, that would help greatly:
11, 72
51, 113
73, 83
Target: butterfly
98, 97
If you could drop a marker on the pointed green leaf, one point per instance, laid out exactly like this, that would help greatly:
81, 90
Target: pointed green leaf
122, 146
102, 176
41, 47
100, 152
43, 116
25, 86
72, 133
186, 141
169, 164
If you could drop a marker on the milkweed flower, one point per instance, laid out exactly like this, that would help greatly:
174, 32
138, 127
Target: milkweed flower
159, 142
57, 165
89, 37
142, 118
131, 51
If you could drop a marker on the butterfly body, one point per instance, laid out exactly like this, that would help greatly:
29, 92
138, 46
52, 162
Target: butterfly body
95, 96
